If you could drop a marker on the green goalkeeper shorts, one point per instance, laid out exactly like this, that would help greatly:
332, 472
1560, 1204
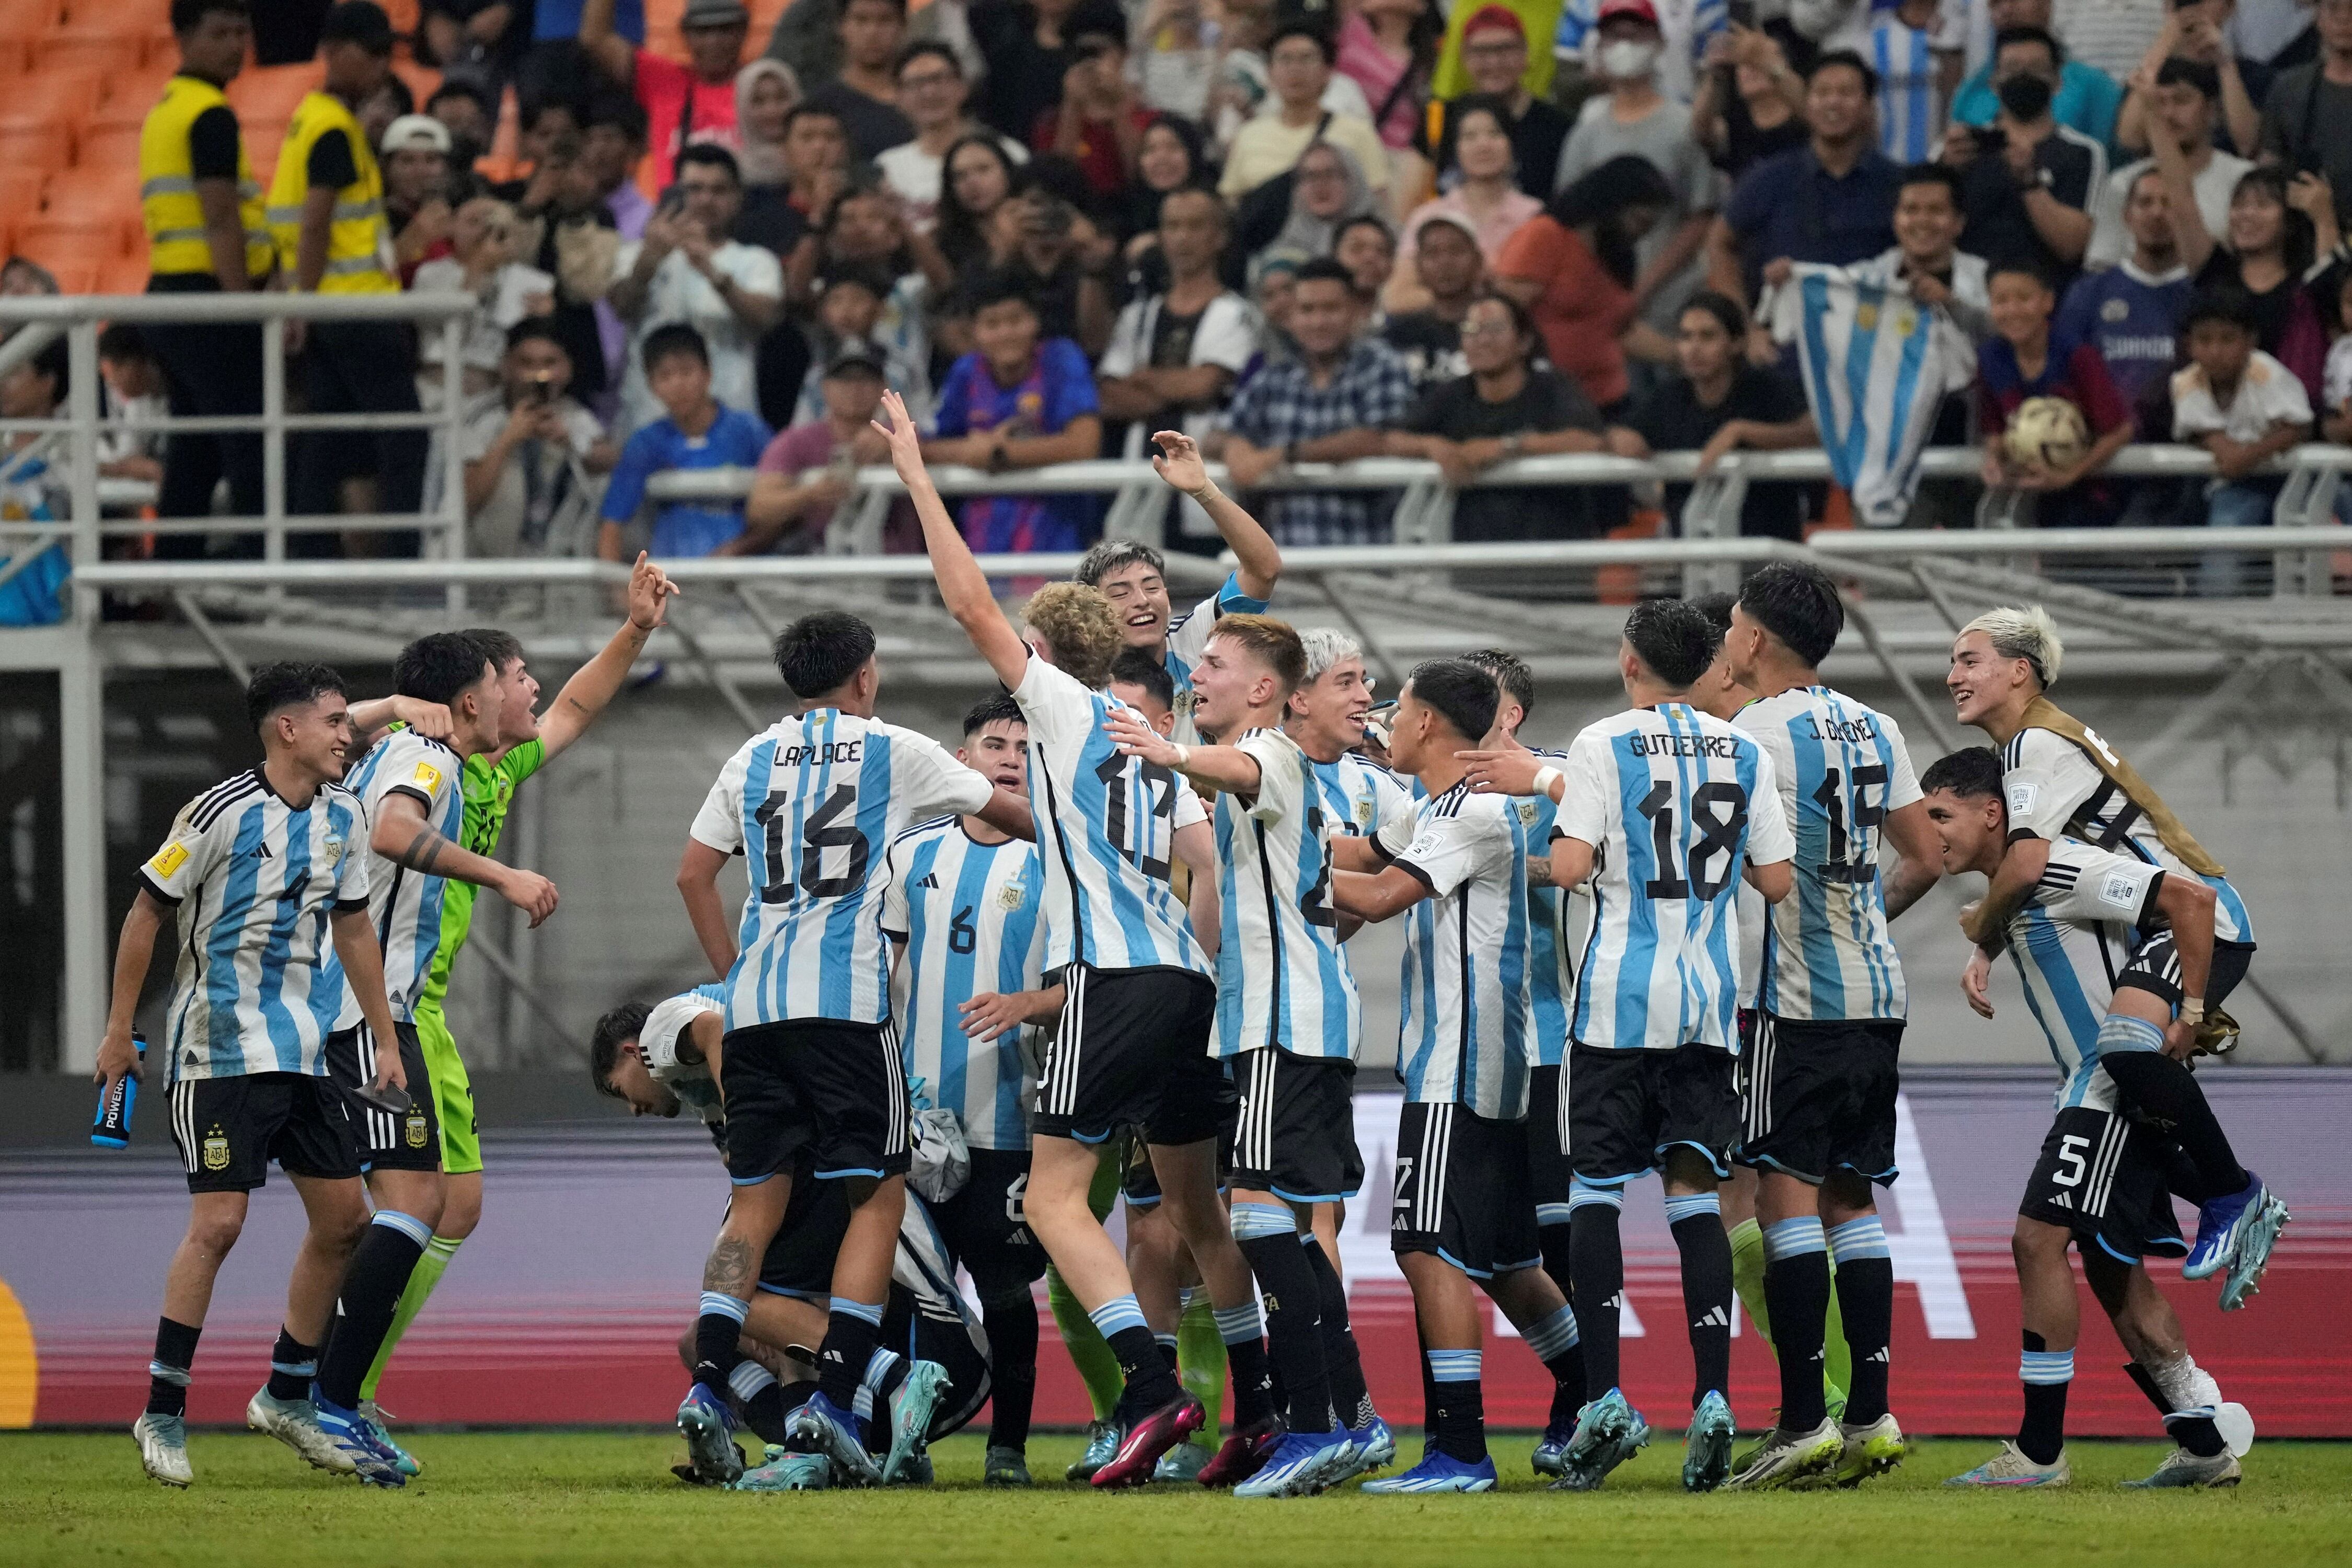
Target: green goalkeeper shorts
453, 1095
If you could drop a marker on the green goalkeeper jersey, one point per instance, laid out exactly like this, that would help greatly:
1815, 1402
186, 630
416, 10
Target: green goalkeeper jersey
489, 790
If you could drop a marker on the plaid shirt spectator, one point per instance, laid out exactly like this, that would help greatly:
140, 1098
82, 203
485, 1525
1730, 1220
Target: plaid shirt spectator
1281, 405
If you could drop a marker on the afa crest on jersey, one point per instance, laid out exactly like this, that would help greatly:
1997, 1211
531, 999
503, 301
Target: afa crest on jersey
417, 1129
1011, 897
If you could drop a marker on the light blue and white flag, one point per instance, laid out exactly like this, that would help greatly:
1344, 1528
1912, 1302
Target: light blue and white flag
1876, 367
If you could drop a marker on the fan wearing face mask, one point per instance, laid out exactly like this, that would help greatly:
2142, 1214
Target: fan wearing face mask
2087, 98
2028, 180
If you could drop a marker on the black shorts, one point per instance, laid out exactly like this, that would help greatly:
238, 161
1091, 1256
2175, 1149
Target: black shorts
1132, 1051
1621, 1111
814, 1094
1547, 1168
408, 1142
229, 1129
1462, 1190
1297, 1134
1819, 1096
800, 1257
2155, 967
2102, 1176
987, 1229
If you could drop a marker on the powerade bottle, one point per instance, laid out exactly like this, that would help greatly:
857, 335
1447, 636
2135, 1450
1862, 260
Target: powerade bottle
112, 1128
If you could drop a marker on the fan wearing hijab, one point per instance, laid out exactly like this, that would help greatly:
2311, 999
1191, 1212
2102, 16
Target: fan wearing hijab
1329, 190
766, 93
1574, 267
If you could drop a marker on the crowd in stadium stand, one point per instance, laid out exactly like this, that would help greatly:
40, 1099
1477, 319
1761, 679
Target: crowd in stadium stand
1303, 230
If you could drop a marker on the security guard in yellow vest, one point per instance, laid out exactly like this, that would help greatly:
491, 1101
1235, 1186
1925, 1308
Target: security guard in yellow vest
204, 236
326, 213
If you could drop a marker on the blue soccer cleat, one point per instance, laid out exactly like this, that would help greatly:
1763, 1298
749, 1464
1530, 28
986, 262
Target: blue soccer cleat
2221, 1224
1609, 1431
912, 1406
375, 1460
1550, 1455
708, 1427
1182, 1464
1437, 1472
1707, 1447
1102, 1448
378, 1418
1301, 1465
1372, 1447
787, 1471
821, 1427
2257, 1238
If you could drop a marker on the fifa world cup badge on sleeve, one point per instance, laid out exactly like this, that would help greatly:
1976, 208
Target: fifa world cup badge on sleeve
427, 776
169, 858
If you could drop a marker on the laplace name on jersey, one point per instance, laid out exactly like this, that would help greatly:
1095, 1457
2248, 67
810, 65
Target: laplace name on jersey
1723, 747
1853, 731
831, 751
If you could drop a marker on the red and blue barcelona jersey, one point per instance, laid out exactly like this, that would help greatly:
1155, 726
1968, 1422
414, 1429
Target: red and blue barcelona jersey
1058, 388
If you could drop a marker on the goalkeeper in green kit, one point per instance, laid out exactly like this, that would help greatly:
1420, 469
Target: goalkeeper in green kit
528, 742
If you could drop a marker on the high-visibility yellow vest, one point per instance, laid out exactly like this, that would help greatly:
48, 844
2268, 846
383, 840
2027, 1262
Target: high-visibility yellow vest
167, 187
359, 241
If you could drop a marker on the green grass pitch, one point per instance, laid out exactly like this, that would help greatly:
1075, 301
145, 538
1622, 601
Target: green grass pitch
583, 1498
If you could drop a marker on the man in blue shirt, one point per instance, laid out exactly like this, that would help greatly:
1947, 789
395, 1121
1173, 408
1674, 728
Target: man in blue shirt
697, 431
2131, 313
2088, 98
1831, 201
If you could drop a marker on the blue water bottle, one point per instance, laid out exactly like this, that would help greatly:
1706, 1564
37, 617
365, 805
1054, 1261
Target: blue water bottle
112, 1128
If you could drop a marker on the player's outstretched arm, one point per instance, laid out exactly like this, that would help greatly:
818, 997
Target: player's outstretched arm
2022, 865
369, 718
134, 950
1225, 769
1379, 896
1918, 858
354, 937
587, 694
963, 587
402, 835
1515, 772
698, 884
1179, 463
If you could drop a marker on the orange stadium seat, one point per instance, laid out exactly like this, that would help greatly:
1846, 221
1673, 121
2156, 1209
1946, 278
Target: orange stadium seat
107, 51
272, 91
423, 80
69, 98
92, 190
403, 15
93, 238
20, 191
73, 277
35, 145
126, 275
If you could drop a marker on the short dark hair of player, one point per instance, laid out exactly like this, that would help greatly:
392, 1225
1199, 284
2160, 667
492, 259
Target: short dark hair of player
1141, 667
999, 286
2179, 71
435, 667
2227, 304
1971, 774
1300, 27
1673, 639
1797, 602
504, 648
287, 684
187, 15
1274, 643
1078, 624
1462, 693
1327, 269
920, 47
1722, 307
998, 709
1716, 609
1942, 175
2029, 35
823, 652
1510, 673
1115, 554
675, 341
711, 155
1850, 61
614, 1030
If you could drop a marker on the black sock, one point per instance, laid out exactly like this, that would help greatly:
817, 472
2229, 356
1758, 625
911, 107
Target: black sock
850, 1336
292, 1365
378, 1273
167, 1374
1150, 1381
2166, 1095
1865, 1289
766, 1408
1598, 1263
1252, 1372
2195, 1432
2042, 1432
1293, 1304
1428, 1389
1461, 1410
1343, 1361
1012, 1324
1567, 1393
1796, 1289
717, 1338
1706, 1299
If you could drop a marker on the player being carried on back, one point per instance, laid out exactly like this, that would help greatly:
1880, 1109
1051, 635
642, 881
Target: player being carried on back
2062, 777
2098, 931
1133, 1046
1821, 1077
1663, 809
811, 1069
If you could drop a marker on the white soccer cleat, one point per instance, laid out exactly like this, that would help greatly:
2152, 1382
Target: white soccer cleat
2183, 1468
2012, 1468
163, 1448
295, 1423
1788, 1456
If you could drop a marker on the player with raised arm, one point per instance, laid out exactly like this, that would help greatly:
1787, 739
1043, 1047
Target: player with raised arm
1822, 1074
1133, 1046
2095, 924
2061, 777
1665, 809
813, 1069
965, 907
527, 742
1289, 1021
1463, 1209
271, 890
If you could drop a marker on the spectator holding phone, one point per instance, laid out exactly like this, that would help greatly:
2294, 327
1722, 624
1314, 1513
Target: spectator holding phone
688, 270
534, 457
2027, 181
2307, 115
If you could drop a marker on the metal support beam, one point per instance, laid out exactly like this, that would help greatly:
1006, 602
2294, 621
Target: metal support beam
82, 745
509, 972
680, 628
1896, 673
238, 670
1358, 628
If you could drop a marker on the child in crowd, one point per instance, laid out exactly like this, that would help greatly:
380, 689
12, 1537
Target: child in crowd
1019, 400
2244, 407
2024, 360
695, 431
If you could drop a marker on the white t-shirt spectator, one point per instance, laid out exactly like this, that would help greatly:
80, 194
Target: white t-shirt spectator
507, 295
2111, 241
1226, 333
2268, 396
679, 294
2111, 34
545, 502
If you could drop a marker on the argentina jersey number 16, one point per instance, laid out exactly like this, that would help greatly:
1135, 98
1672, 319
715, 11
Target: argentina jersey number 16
831, 830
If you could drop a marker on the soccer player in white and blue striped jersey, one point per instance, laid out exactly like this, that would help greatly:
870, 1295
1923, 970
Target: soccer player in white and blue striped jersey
1288, 1020
1464, 1208
268, 878
1822, 1074
965, 905
813, 1071
1133, 1047
2094, 931
1665, 809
